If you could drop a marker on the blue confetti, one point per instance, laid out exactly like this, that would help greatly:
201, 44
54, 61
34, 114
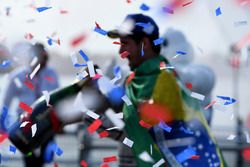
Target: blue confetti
3, 117
41, 9
50, 41
186, 154
5, 64
12, 149
59, 151
180, 53
144, 7
100, 31
218, 11
186, 131
228, 100
84, 56
142, 52
158, 41
80, 65
165, 127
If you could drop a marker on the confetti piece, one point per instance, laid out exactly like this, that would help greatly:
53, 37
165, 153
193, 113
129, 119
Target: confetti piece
28, 36
227, 99
110, 159
131, 76
18, 82
166, 9
145, 157
151, 149
29, 154
82, 75
231, 137
78, 40
48, 78
186, 154
47, 96
50, 41
84, 56
117, 43
124, 54
144, 124
35, 71
105, 165
4, 115
197, 96
119, 115
159, 163
100, 31
91, 68
5, 64
12, 149
3, 137
94, 126
24, 124
104, 134
240, 23
117, 73
195, 157
25, 107
142, 50
84, 163
41, 9
218, 11
92, 114
180, 53
126, 100
210, 104
144, 7
117, 122
165, 127
189, 85
186, 131
59, 151
128, 142
158, 41
29, 84
97, 25
55, 164
63, 11
33, 129
33, 61
247, 136
188, 3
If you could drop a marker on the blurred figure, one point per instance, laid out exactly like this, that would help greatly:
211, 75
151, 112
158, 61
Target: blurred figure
200, 78
27, 89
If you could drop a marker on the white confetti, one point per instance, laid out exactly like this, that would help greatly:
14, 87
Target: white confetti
119, 115
116, 121
81, 75
18, 82
33, 130
145, 157
151, 149
231, 137
35, 71
92, 114
47, 96
128, 142
33, 61
91, 68
247, 136
73, 57
24, 124
126, 100
159, 163
197, 96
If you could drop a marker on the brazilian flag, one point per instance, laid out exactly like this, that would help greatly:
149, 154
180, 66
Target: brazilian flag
179, 134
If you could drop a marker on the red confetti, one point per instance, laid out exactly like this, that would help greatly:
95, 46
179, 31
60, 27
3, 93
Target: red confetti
144, 124
84, 163
25, 107
117, 43
109, 159
49, 78
103, 134
79, 39
55, 164
29, 84
97, 76
3, 137
246, 154
209, 105
195, 157
189, 85
131, 76
97, 25
63, 12
94, 126
28, 36
187, 3
124, 54
105, 165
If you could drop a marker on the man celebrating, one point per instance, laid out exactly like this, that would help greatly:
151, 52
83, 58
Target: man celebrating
161, 102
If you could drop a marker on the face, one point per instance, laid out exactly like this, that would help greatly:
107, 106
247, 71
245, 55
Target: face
129, 45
